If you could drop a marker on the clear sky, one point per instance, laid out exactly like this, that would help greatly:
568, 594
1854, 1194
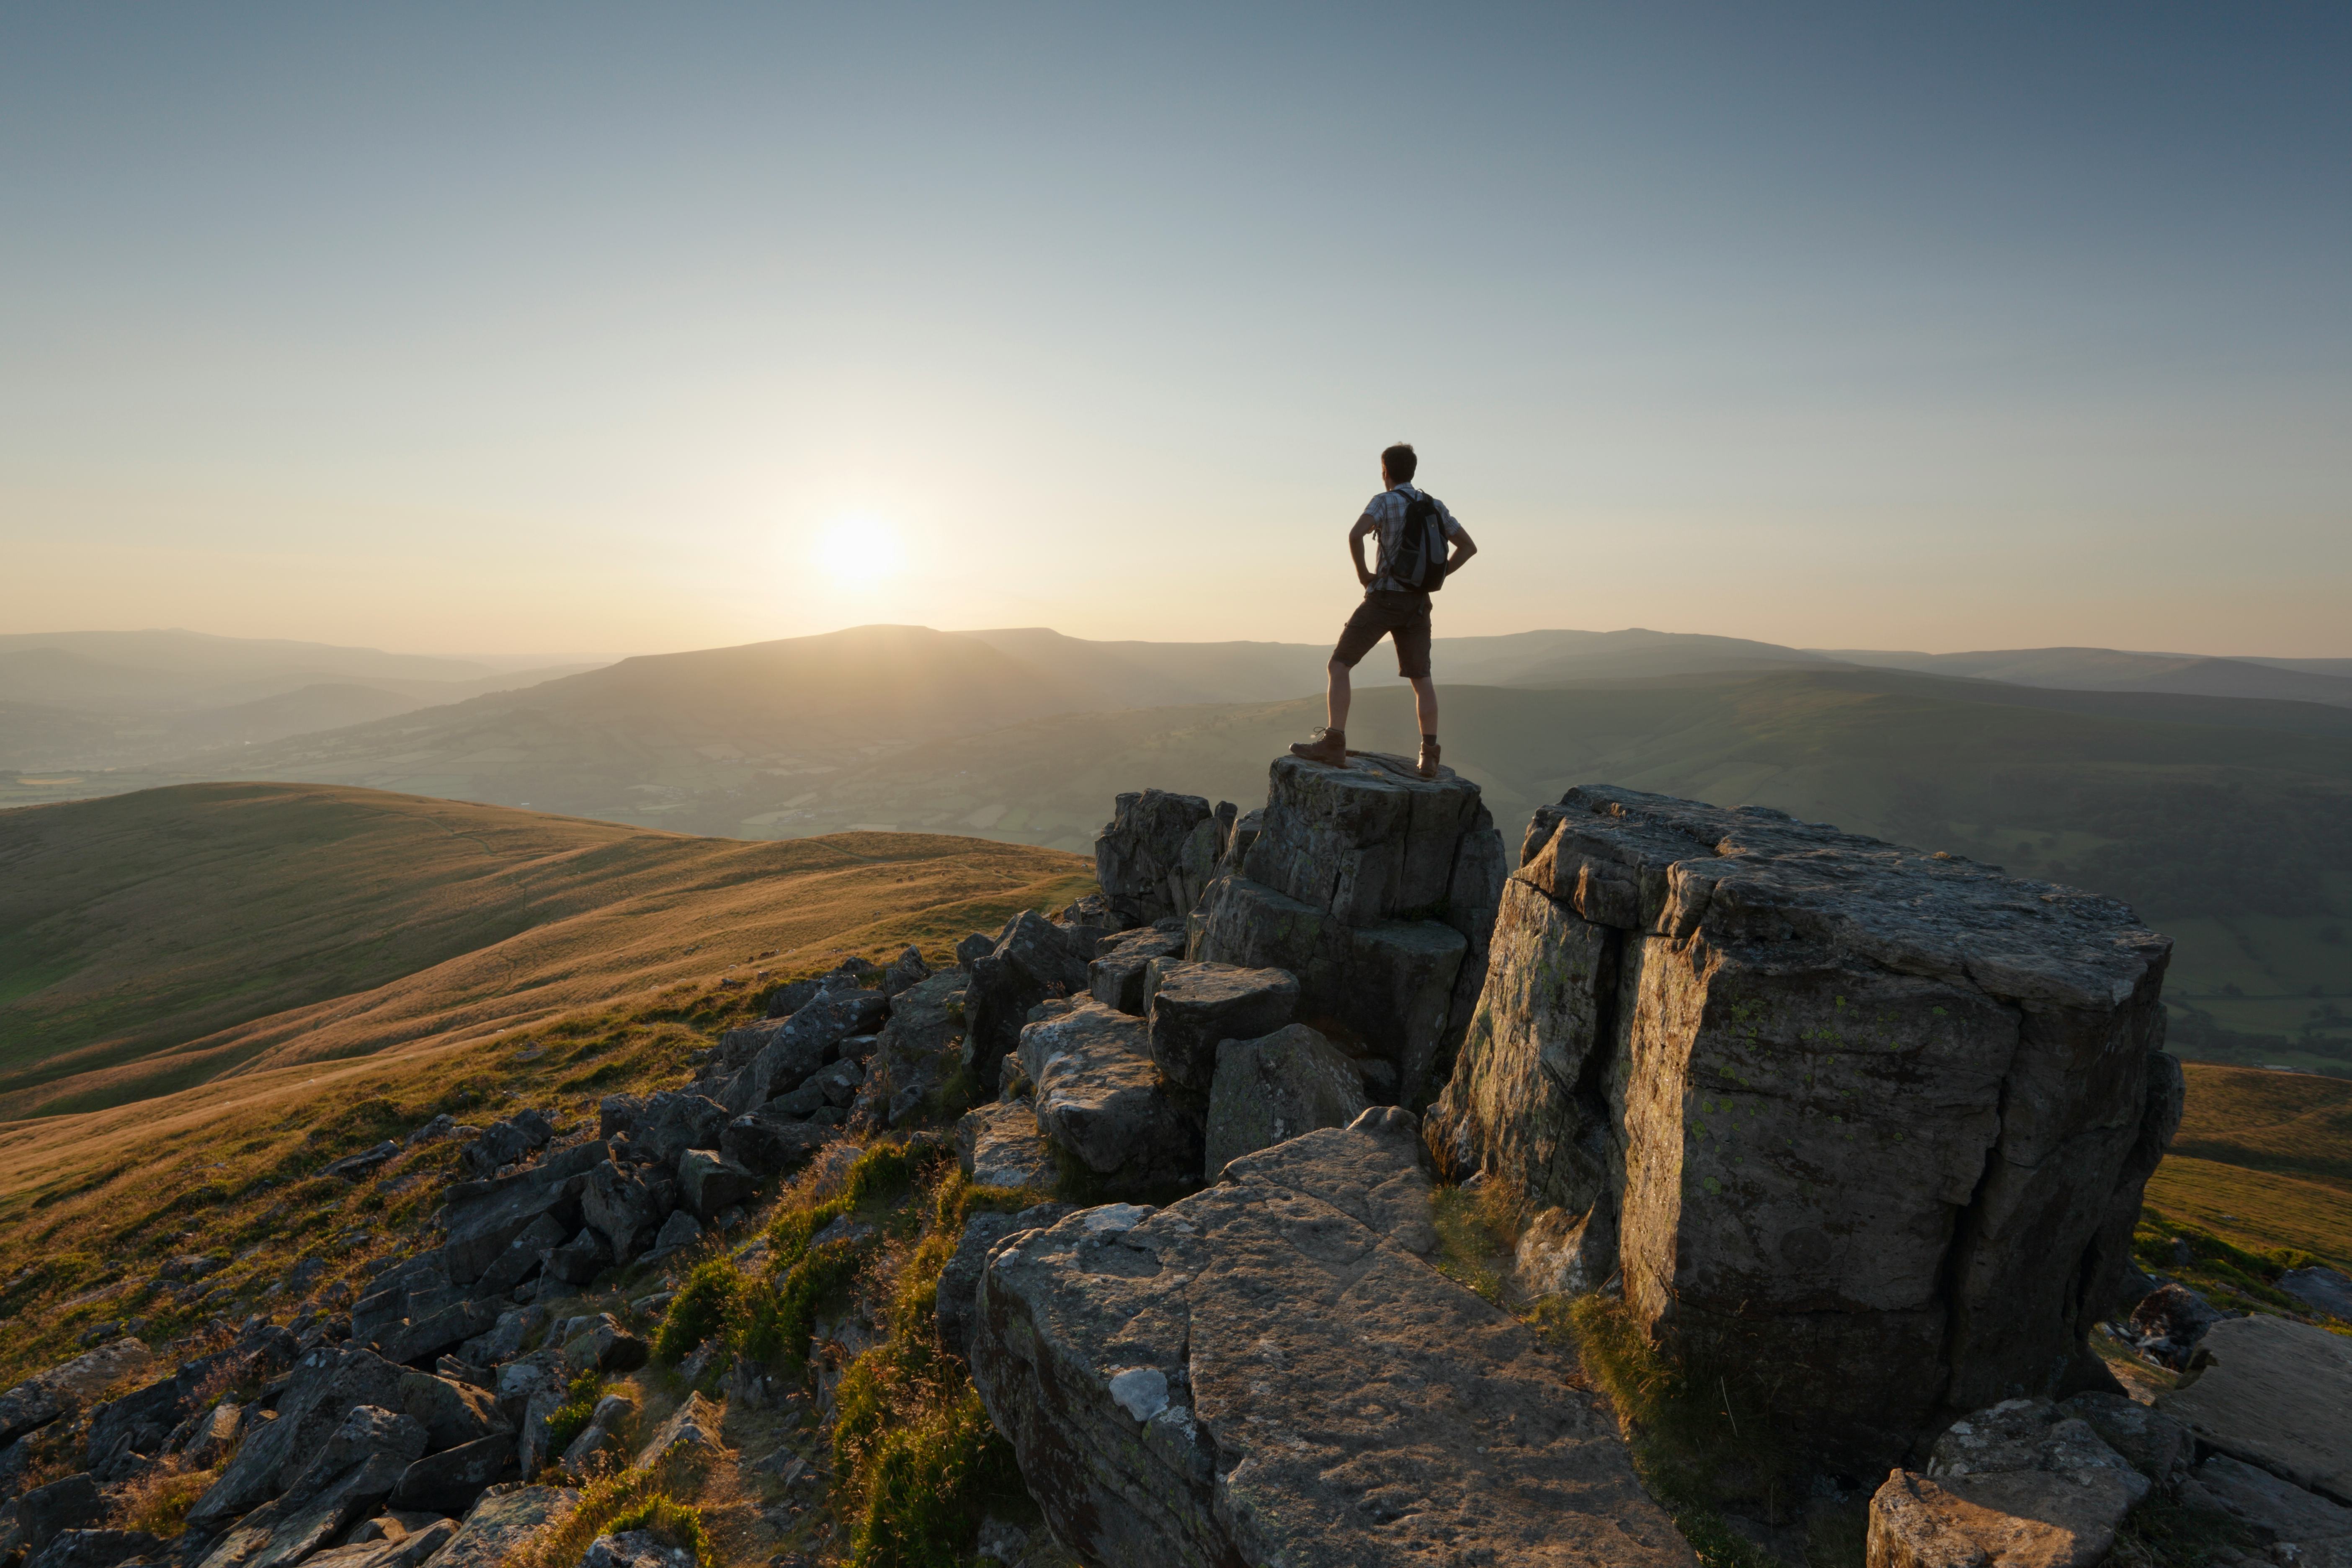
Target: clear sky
511, 327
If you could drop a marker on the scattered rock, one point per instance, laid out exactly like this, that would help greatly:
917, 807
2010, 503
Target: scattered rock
73, 1503
675, 1121
2154, 1444
679, 1231
1855, 1100
627, 1206
364, 1164
503, 1143
690, 1435
1156, 855
433, 1132
604, 1345
2023, 1483
1291, 1081
2274, 1394
449, 1482
804, 1042
577, 1261
915, 1056
635, 1549
1268, 1372
1194, 1007
96, 1549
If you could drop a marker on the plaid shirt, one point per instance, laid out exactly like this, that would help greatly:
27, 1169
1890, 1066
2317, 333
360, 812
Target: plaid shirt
1386, 511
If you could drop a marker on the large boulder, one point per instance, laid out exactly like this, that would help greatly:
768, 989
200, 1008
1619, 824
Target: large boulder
1268, 1372
1156, 855
916, 1056
1377, 888
2314, 1531
2275, 1394
1195, 1007
1099, 1100
1275, 1088
674, 1122
712, 1183
1033, 960
1876, 1118
97, 1549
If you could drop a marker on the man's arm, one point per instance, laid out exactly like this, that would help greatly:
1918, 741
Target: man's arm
1364, 525
1464, 547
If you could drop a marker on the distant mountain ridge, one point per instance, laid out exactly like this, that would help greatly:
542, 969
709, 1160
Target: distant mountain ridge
2327, 681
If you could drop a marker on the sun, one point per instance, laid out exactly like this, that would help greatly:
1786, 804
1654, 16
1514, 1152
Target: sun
857, 553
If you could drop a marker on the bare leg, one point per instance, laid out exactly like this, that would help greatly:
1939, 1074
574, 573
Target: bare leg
1336, 695
1424, 703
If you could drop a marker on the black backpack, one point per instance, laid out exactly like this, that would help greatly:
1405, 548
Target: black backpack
1419, 563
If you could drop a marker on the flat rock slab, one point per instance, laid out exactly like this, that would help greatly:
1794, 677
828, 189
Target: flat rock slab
2026, 1520
999, 1145
2277, 1394
1268, 1372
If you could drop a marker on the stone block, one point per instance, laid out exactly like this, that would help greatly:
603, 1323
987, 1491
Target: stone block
1195, 1007
1274, 1088
1850, 1100
999, 1145
1116, 978
711, 1184
1373, 841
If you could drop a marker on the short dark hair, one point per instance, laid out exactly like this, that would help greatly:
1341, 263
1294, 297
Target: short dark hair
1397, 462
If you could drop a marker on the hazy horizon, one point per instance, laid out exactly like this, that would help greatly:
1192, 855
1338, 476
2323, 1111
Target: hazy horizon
530, 329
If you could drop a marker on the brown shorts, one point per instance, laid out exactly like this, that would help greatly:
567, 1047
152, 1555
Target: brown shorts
1386, 613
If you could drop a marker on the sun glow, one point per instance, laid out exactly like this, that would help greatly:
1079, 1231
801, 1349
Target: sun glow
859, 552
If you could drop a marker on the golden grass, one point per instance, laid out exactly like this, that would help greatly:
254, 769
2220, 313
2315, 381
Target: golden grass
2257, 1210
160, 942
2293, 1123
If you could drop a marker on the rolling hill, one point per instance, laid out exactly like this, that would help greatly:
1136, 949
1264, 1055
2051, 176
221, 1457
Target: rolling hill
156, 941
2111, 669
2262, 1160
86, 700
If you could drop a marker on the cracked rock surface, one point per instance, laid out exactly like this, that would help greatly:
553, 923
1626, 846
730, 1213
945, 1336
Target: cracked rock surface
1268, 1372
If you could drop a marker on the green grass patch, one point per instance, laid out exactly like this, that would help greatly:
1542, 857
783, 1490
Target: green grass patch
700, 1309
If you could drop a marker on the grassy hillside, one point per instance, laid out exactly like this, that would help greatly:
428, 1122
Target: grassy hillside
2263, 1160
155, 941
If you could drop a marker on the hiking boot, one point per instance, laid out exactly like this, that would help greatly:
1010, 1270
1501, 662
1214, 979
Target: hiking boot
1328, 747
1427, 767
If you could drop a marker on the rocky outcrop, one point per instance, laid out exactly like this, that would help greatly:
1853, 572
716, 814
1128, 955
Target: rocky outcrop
1377, 888
1268, 1372
955, 1298
1156, 855
43, 1398
1876, 1118
999, 1145
1273, 1089
916, 1055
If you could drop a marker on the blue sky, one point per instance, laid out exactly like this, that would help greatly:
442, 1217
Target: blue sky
511, 327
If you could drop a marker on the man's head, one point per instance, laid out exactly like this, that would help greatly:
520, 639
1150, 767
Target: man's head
1398, 463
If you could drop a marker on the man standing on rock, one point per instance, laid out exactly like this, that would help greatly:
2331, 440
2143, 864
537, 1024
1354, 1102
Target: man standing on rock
1421, 545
